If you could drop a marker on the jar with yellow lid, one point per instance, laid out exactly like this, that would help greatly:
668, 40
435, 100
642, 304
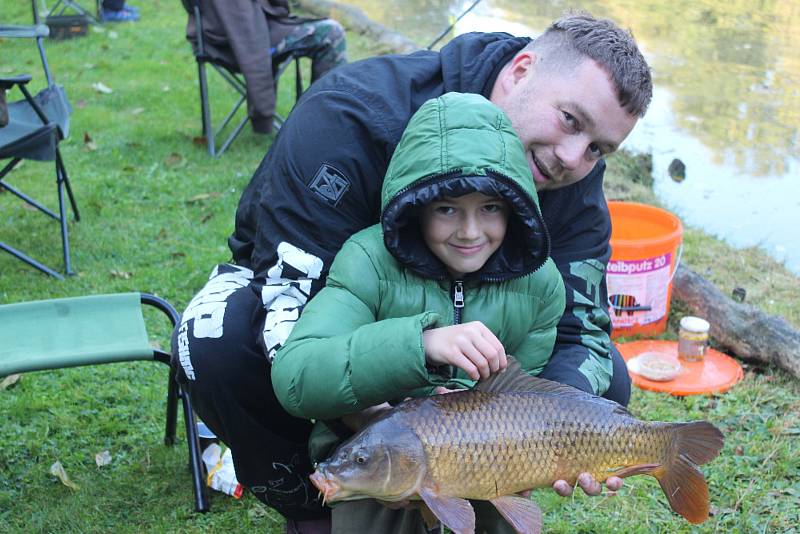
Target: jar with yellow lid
693, 339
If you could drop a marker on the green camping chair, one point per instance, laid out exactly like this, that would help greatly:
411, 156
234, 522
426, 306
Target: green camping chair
71, 332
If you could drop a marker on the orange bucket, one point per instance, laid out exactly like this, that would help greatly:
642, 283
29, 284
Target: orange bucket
645, 251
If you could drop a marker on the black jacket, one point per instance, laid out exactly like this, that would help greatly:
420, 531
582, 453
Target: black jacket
320, 182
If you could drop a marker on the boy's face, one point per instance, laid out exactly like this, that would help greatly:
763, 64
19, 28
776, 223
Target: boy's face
463, 232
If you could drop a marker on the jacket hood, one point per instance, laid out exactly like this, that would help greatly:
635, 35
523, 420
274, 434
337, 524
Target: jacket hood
472, 61
455, 145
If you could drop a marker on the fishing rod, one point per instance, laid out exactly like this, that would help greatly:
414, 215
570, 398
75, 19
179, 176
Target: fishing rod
449, 28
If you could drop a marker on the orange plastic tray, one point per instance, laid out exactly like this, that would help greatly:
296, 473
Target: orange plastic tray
718, 372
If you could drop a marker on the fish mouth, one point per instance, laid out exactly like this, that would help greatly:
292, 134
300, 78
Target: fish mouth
328, 487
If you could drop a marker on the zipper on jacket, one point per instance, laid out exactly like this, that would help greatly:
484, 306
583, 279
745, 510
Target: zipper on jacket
458, 307
458, 300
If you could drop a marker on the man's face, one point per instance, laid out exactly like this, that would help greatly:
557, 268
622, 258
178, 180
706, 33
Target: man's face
464, 231
567, 119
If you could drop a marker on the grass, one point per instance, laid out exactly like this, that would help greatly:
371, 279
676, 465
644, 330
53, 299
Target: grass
156, 212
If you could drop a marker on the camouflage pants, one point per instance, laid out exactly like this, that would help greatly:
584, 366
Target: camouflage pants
321, 40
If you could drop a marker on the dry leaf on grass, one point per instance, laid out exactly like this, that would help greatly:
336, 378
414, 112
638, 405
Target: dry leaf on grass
100, 87
88, 142
102, 458
57, 470
125, 275
174, 160
202, 196
9, 381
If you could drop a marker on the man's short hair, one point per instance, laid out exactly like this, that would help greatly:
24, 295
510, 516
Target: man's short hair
576, 36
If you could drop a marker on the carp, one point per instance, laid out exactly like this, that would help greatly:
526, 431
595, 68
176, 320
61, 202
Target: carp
511, 433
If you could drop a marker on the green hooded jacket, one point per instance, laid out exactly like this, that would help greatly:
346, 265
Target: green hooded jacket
358, 343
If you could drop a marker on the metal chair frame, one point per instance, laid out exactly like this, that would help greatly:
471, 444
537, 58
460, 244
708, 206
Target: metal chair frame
49, 128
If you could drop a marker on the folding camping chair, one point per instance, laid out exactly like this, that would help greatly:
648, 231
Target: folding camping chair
233, 77
64, 7
78, 331
36, 126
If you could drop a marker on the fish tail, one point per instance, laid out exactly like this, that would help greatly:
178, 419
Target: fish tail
683, 483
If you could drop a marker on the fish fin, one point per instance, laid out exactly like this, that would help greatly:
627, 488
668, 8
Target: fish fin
456, 513
683, 483
514, 378
521, 513
641, 469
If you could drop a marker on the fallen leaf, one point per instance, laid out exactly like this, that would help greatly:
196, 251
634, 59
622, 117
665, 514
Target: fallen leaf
174, 160
57, 470
88, 142
100, 87
120, 274
165, 88
739, 450
112, 34
102, 458
137, 111
200, 140
202, 196
9, 381
204, 219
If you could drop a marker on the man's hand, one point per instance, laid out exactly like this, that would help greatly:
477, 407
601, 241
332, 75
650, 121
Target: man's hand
470, 346
588, 484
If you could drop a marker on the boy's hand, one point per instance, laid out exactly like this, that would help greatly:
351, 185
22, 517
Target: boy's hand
470, 346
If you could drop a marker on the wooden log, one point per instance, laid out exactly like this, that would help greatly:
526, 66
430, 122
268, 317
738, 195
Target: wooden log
354, 19
740, 329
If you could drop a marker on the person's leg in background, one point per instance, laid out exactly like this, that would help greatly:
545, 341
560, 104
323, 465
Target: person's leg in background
118, 11
225, 370
321, 40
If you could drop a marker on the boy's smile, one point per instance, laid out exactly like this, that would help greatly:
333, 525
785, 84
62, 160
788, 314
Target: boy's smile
463, 232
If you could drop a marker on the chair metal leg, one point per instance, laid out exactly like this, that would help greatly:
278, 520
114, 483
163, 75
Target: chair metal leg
73, 203
62, 209
172, 408
30, 261
195, 461
205, 109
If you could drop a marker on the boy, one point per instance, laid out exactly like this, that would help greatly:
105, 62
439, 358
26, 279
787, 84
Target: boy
456, 274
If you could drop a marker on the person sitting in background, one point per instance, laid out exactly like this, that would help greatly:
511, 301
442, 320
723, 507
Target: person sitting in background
118, 11
254, 36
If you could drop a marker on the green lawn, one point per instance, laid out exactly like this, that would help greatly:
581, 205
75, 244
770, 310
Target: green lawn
156, 212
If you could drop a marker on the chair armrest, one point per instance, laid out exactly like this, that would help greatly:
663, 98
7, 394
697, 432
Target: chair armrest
7, 82
40, 30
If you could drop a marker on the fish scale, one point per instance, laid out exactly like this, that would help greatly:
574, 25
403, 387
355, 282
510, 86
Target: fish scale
485, 445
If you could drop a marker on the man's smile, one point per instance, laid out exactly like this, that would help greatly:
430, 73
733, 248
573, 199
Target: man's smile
540, 172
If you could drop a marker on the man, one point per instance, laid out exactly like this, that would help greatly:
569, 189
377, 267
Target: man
573, 95
254, 36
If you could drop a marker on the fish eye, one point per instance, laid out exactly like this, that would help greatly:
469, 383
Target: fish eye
360, 458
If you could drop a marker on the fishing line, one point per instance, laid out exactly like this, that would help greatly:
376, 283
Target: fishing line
449, 28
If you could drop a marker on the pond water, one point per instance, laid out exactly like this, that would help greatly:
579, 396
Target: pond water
726, 100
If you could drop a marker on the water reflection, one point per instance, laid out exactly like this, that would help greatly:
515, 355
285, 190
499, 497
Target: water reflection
727, 102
